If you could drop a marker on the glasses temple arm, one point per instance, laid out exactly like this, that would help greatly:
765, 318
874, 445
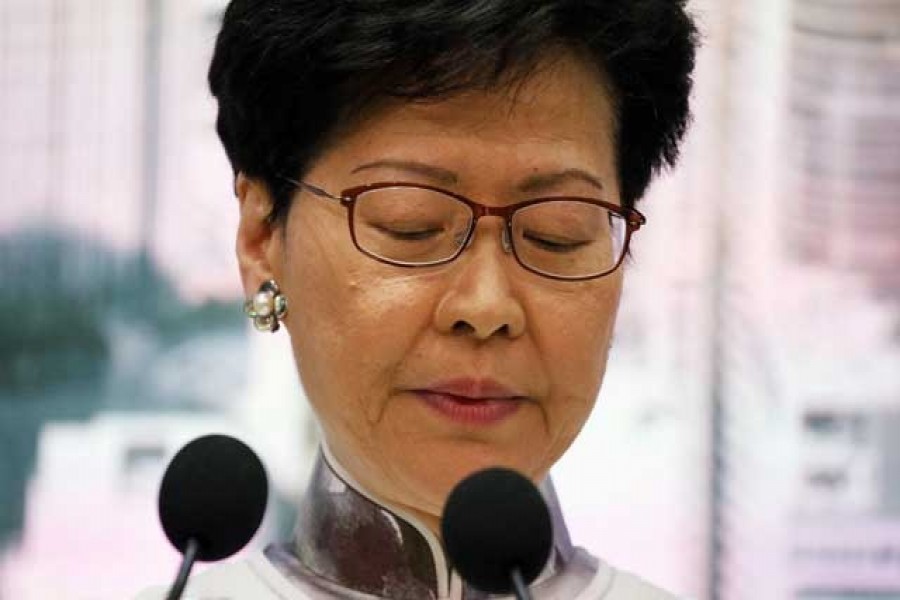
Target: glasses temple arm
312, 189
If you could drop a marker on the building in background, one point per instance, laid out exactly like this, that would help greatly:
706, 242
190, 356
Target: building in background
842, 238
120, 328
808, 352
108, 134
844, 117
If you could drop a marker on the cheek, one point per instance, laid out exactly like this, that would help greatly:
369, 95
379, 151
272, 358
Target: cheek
582, 322
575, 339
351, 326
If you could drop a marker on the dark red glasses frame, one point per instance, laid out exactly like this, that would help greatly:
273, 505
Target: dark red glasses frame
347, 198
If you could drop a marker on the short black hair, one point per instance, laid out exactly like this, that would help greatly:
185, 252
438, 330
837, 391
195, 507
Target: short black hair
288, 73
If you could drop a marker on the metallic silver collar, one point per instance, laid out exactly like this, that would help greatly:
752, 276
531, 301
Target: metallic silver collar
350, 546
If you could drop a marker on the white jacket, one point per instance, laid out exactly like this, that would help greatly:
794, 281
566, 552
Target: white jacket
256, 578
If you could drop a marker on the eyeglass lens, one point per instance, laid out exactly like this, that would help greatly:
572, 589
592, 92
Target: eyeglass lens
415, 226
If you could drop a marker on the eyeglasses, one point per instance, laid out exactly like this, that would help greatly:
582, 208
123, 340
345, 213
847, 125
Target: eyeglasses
411, 225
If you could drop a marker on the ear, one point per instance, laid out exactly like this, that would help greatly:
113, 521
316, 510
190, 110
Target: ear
258, 241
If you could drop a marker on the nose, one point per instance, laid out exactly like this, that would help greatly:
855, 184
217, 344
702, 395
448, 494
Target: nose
505, 241
480, 300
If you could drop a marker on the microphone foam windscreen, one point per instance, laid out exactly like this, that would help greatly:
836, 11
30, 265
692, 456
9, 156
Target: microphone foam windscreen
214, 491
494, 521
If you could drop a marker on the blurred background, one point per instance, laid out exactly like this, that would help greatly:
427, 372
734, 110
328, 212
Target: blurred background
747, 440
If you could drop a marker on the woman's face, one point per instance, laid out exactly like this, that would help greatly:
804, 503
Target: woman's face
421, 376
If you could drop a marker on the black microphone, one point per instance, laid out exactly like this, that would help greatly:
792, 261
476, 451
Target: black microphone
497, 531
211, 501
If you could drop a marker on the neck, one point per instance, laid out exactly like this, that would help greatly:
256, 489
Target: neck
419, 518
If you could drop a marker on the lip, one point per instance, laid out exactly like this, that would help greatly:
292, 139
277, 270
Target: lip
472, 401
474, 389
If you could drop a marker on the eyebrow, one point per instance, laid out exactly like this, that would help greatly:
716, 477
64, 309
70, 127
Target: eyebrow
438, 174
542, 181
531, 184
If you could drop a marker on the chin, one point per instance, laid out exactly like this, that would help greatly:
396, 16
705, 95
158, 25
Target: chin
437, 470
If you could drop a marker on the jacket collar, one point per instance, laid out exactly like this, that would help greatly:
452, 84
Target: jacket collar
347, 540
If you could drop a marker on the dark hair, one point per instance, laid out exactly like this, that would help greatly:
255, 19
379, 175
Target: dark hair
287, 73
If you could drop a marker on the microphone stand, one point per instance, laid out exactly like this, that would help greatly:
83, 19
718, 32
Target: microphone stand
187, 563
520, 588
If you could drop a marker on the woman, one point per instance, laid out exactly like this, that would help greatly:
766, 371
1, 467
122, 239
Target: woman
435, 201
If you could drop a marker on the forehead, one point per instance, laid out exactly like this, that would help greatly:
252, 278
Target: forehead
560, 116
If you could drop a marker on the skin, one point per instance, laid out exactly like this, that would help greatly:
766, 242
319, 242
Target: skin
364, 333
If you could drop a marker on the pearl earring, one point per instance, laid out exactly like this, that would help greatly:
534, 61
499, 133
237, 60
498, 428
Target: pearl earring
267, 307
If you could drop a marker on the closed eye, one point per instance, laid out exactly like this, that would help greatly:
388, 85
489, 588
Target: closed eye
551, 244
410, 235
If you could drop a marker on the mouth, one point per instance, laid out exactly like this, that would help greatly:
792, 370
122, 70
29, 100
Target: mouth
474, 402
